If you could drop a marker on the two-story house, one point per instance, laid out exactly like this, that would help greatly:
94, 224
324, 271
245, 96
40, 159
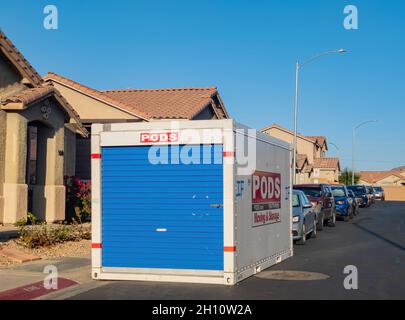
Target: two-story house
312, 165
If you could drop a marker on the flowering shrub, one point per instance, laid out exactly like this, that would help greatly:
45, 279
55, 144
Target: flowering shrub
78, 198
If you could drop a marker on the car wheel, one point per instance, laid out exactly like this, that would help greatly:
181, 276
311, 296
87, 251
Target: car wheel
303, 239
319, 226
314, 233
346, 218
332, 221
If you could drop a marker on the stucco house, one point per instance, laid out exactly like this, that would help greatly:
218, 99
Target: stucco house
133, 105
36, 127
45, 125
311, 162
383, 178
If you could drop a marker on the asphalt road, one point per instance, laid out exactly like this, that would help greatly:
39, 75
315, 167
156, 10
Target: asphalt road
374, 242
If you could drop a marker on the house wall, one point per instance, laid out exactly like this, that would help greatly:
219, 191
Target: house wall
90, 108
206, 114
303, 146
317, 152
324, 176
330, 176
394, 193
49, 192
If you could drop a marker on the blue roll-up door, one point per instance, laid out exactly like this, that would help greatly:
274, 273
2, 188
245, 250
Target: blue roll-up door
166, 216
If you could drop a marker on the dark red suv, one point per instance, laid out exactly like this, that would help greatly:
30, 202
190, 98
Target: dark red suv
322, 199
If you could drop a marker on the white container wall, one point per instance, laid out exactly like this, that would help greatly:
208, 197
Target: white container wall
188, 201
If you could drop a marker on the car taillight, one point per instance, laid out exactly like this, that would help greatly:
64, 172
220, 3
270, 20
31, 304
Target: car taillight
314, 203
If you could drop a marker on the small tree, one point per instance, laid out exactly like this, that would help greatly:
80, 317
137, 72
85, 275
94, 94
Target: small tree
346, 177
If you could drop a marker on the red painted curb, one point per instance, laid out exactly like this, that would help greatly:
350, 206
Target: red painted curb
34, 290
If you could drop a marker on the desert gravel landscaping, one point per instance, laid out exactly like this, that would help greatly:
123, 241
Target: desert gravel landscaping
65, 246
68, 249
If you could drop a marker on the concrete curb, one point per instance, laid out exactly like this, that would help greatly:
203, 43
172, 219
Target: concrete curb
9, 234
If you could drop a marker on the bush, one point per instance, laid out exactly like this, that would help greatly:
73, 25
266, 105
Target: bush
30, 219
43, 235
78, 198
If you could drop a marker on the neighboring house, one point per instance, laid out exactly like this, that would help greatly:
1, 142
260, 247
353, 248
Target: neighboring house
383, 178
134, 105
312, 164
37, 131
326, 170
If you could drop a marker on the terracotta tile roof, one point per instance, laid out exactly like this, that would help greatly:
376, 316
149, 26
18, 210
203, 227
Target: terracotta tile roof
375, 176
301, 159
29, 96
12, 53
170, 103
326, 163
320, 139
96, 94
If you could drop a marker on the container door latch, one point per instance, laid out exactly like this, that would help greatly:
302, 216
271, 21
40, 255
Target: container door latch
217, 205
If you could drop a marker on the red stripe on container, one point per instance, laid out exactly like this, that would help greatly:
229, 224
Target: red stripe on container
229, 249
96, 245
96, 155
228, 154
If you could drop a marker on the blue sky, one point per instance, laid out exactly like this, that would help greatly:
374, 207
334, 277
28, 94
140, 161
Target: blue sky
248, 50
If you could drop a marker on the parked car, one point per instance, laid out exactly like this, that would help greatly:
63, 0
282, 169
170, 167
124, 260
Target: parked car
355, 203
379, 193
370, 192
361, 192
322, 199
304, 218
344, 204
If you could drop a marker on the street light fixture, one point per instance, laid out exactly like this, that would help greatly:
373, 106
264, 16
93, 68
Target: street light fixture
354, 144
299, 66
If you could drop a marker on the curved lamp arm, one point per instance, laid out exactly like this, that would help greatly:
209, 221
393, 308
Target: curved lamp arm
321, 55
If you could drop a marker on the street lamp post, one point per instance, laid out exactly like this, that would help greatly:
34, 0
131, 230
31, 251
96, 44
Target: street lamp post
299, 66
354, 144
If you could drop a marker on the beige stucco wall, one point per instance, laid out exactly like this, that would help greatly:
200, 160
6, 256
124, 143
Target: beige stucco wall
329, 176
325, 176
89, 108
394, 193
303, 146
49, 192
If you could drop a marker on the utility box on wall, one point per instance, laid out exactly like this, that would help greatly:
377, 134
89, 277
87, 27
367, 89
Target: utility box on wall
188, 201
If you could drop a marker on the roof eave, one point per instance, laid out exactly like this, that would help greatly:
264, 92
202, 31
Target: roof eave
49, 79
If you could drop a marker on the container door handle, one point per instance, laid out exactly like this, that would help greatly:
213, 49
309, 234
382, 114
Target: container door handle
216, 205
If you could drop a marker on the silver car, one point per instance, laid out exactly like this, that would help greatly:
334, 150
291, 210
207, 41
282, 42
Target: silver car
304, 218
379, 193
